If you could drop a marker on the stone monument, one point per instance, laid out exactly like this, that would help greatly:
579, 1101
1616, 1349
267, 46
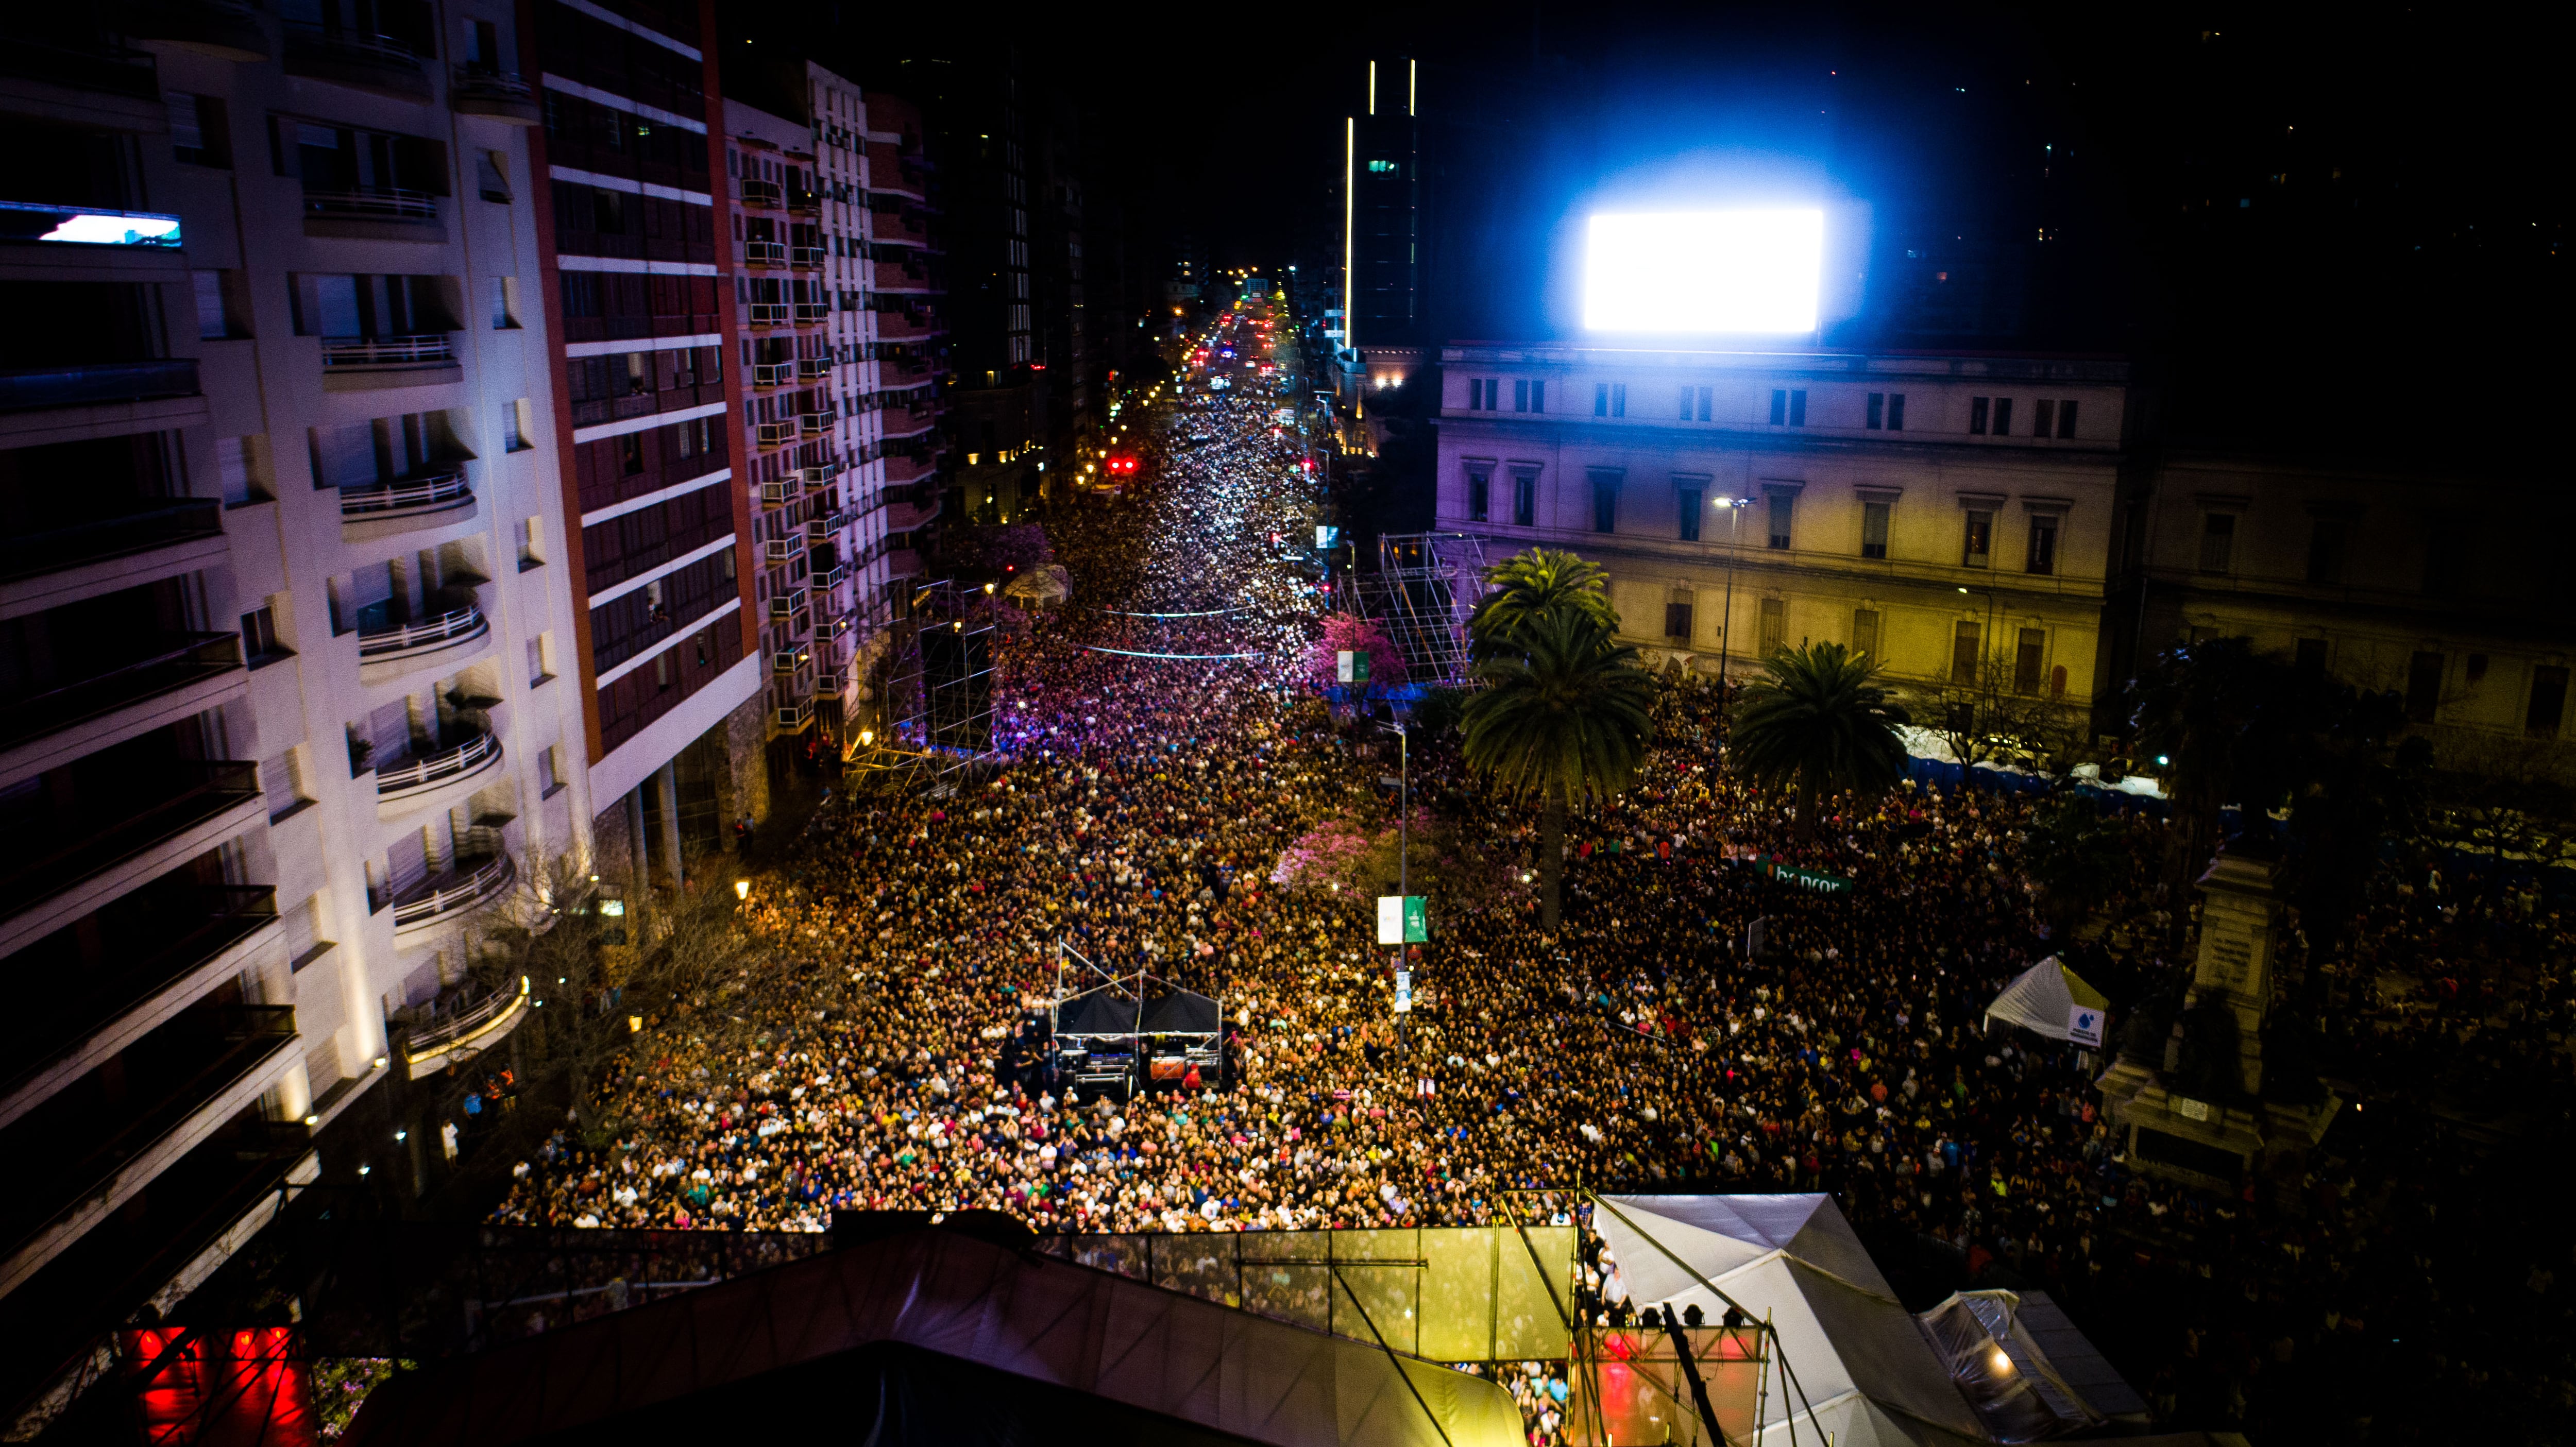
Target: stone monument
2202, 1114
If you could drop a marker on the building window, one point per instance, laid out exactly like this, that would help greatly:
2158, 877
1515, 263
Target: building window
2424, 687
1538, 395
1865, 632
1677, 621
1600, 399
1977, 415
1963, 652
505, 303
1479, 496
2066, 418
2003, 417
2043, 417
1696, 402
1873, 529
2326, 539
662, 669
2043, 544
2310, 661
283, 779
549, 770
1686, 502
260, 641
1784, 506
1875, 418
2548, 701
532, 543
1481, 393
519, 426
541, 659
1605, 502
2217, 541
1979, 548
630, 453
1525, 499
1521, 395
2030, 659
199, 134
1788, 406
1775, 625
1895, 411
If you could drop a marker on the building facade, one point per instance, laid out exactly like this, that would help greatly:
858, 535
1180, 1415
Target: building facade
2440, 588
658, 462
1950, 516
908, 288
285, 618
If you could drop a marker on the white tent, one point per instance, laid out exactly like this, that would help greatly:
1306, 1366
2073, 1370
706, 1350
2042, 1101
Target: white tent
2050, 999
1852, 1365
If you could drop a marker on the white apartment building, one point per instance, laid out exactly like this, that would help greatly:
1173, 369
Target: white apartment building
282, 621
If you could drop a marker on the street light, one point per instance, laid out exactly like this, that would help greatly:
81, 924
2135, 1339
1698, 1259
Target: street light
1735, 507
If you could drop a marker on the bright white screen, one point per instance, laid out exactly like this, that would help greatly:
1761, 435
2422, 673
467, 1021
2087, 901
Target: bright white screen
1704, 271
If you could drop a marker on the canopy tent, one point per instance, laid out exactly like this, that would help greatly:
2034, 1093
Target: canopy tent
1850, 1360
2050, 999
1183, 1012
937, 1337
1106, 1034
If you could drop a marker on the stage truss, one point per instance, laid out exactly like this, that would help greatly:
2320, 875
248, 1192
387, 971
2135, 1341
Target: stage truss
1425, 588
936, 707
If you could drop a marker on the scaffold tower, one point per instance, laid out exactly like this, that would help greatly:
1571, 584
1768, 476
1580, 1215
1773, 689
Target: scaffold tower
1425, 588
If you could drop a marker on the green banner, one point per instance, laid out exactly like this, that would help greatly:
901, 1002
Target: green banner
1815, 879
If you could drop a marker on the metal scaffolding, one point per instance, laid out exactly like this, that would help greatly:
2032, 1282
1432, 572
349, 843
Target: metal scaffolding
1425, 588
937, 698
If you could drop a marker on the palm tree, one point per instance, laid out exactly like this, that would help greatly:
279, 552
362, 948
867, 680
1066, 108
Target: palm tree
1818, 723
1565, 714
1528, 586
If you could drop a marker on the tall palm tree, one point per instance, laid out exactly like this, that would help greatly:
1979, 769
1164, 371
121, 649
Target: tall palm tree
1530, 585
1817, 722
1565, 713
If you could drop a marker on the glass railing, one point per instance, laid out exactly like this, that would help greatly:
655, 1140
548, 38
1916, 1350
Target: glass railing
372, 203
352, 45
69, 545
90, 836
93, 383
183, 659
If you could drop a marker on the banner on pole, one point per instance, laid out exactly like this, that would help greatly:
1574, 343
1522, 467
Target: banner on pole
1351, 667
1403, 991
1403, 919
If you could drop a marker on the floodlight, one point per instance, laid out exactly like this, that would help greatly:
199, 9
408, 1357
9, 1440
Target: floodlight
1704, 271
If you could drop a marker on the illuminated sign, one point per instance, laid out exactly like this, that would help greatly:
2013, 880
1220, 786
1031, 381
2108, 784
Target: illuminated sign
1704, 271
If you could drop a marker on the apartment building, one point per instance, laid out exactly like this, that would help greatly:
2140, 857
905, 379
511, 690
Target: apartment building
2437, 586
908, 277
283, 617
649, 395
1951, 516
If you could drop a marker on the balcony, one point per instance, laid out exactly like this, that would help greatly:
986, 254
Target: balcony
174, 678
763, 195
382, 509
153, 539
834, 629
793, 717
366, 364
218, 29
374, 213
787, 604
91, 1148
391, 653
817, 478
790, 660
810, 257
380, 64
459, 1025
807, 203
817, 423
87, 992
90, 87
91, 850
830, 683
479, 90
764, 253
468, 885
812, 312
765, 375
775, 494
830, 578
444, 776
779, 550
43, 242
813, 369
771, 314
771, 435
98, 399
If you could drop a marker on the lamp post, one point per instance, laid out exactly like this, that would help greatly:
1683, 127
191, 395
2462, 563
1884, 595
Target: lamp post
1983, 683
1735, 507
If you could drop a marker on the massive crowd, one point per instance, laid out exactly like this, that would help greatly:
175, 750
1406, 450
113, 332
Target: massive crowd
1137, 814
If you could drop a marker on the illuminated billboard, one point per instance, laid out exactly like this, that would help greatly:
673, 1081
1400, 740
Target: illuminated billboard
1751, 271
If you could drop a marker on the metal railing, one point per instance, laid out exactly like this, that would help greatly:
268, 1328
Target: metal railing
772, 374
830, 680
188, 658
788, 660
785, 604
347, 45
772, 313
813, 311
779, 550
97, 833
764, 253
816, 423
817, 476
795, 715
95, 382
373, 203
478, 80
469, 887
445, 1024
830, 578
805, 256
438, 768
405, 495
813, 367
354, 354
179, 520
447, 626
774, 493
760, 193
774, 434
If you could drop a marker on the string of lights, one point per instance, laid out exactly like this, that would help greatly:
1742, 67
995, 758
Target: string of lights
1135, 653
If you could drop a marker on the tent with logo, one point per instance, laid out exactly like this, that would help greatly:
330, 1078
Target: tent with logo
2050, 999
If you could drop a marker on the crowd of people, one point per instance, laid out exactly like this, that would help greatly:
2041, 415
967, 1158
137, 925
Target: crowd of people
1149, 778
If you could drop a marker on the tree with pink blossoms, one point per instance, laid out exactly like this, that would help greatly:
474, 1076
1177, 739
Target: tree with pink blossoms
1351, 633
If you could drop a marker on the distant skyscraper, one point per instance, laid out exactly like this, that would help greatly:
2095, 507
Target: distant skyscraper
1381, 215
